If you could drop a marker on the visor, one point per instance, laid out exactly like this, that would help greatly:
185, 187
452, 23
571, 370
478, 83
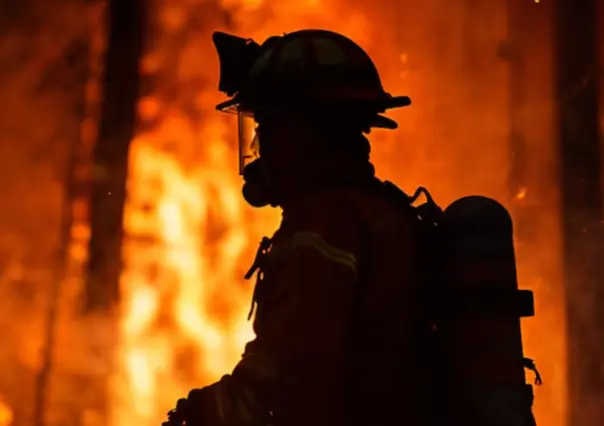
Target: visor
247, 136
247, 139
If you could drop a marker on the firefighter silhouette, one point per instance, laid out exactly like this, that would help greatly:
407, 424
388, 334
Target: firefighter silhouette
367, 309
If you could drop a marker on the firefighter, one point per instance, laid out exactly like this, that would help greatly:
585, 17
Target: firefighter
334, 295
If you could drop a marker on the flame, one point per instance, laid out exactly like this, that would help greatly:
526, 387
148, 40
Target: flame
189, 235
521, 194
174, 270
6, 414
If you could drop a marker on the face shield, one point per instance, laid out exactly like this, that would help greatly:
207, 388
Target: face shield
247, 139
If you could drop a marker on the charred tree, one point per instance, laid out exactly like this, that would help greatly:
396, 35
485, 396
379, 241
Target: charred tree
110, 157
581, 172
73, 66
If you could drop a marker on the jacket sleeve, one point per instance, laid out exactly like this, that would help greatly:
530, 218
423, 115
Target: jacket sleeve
291, 368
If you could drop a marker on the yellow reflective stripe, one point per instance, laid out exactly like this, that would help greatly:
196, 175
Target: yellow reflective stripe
314, 240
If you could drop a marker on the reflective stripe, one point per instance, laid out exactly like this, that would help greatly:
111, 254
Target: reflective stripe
314, 240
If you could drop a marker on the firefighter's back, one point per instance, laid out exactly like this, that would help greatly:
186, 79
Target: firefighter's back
379, 371
383, 360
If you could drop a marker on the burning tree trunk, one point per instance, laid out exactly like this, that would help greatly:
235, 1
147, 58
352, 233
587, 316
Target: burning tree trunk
581, 172
117, 126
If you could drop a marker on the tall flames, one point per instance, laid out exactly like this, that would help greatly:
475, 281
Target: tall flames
6, 414
174, 335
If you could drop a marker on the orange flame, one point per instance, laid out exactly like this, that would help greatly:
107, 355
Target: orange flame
6, 414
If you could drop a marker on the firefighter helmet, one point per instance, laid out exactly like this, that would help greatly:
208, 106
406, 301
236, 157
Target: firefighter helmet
315, 71
307, 67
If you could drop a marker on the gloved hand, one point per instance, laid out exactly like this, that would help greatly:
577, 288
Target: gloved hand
177, 416
197, 409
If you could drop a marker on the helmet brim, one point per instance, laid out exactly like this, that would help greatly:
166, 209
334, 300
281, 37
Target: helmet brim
381, 122
397, 102
233, 106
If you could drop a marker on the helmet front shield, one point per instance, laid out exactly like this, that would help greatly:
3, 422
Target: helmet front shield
247, 138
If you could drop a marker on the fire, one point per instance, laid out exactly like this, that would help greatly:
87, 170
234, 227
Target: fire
175, 271
521, 194
6, 414
189, 235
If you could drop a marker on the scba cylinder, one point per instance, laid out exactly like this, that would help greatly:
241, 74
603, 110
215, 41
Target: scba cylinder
481, 301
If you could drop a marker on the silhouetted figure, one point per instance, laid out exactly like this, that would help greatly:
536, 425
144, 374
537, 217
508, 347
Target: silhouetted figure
345, 325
